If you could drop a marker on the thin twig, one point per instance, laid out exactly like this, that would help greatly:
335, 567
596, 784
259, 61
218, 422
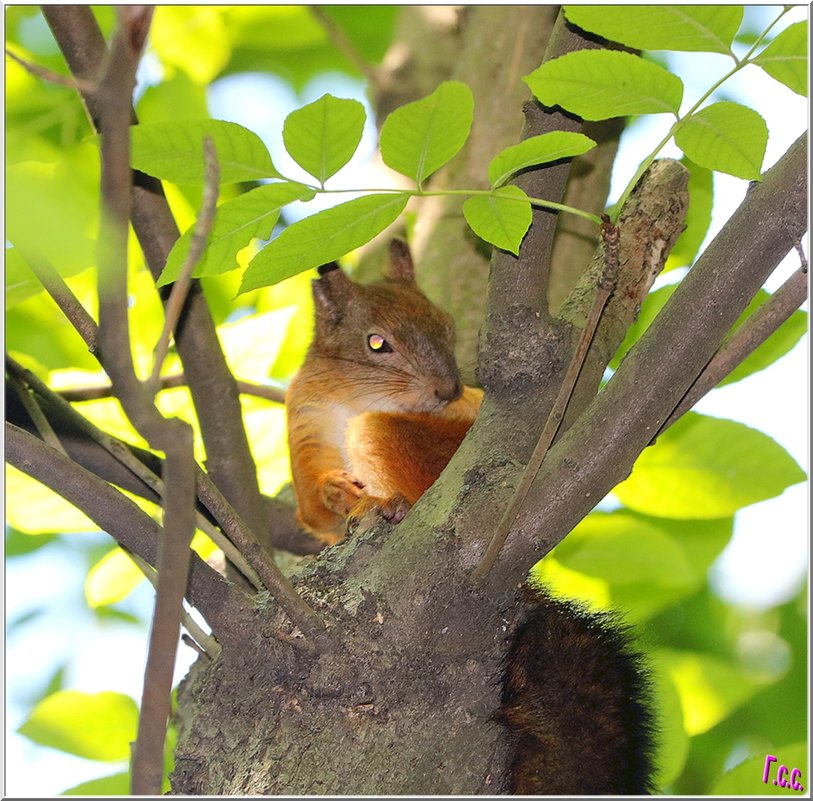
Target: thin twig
744, 341
345, 46
32, 407
206, 643
52, 77
605, 288
62, 295
180, 289
274, 394
278, 585
797, 243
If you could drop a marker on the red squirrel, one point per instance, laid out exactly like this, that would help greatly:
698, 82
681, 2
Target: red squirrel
374, 415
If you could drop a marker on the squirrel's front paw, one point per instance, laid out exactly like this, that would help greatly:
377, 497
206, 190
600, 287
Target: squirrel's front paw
370, 509
340, 491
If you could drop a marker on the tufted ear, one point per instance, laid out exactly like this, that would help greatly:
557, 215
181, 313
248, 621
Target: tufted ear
401, 267
331, 293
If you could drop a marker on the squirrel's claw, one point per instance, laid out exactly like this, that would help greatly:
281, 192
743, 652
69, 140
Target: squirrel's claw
370, 510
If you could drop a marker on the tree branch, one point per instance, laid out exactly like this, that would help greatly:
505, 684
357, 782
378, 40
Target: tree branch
213, 388
661, 366
220, 603
744, 341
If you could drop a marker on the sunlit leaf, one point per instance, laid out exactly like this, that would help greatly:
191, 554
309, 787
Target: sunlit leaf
111, 579
747, 778
540, 149
710, 688
704, 467
420, 137
323, 237
252, 344
672, 742
175, 98
662, 27
173, 151
725, 136
91, 725
117, 784
253, 214
323, 136
600, 84
785, 58
502, 219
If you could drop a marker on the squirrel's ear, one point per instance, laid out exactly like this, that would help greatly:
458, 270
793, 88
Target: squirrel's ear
401, 267
331, 293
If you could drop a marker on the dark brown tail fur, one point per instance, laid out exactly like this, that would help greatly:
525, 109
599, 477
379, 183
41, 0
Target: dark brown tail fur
576, 700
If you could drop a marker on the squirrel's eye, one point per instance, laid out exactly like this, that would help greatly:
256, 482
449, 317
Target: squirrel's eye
378, 344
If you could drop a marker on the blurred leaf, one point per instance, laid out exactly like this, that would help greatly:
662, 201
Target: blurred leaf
38, 510
705, 467
267, 435
725, 136
252, 343
175, 98
694, 28
370, 27
601, 84
94, 726
322, 136
253, 214
782, 341
623, 549
116, 784
173, 151
501, 220
698, 216
785, 58
420, 137
747, 777
194, 38
111, 579
540, 149
20, 544
323, 237
710, 688
672, 741
21, 283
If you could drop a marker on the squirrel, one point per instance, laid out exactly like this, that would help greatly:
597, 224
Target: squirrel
375, 413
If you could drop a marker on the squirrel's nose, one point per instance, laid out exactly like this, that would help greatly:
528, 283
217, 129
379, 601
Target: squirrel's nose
449, 390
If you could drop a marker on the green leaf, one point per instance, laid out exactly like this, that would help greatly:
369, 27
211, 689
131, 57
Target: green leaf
710, 688
94, 726
19, 544
672, 742
501, 220
698, 217
747, 778
420, 137
600, 84
540, 149
777, 345
704, 467
785, 58
623, 549
323, 136
251, 215
111, 579
173, 151
117, 784
322, 238
695, 28
725, 136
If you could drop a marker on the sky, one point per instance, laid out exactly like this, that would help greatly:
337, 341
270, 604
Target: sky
764, 564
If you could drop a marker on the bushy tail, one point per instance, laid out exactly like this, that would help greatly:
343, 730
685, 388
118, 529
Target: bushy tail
576, 700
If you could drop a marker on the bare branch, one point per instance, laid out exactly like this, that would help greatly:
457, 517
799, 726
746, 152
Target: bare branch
610, 235
221, 604
49, 75
62, 295
180, 289
31, 406
745, 340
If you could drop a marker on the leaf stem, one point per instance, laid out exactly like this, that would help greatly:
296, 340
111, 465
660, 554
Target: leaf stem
644, 166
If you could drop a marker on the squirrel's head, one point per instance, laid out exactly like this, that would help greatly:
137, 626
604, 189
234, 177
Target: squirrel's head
392, 345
